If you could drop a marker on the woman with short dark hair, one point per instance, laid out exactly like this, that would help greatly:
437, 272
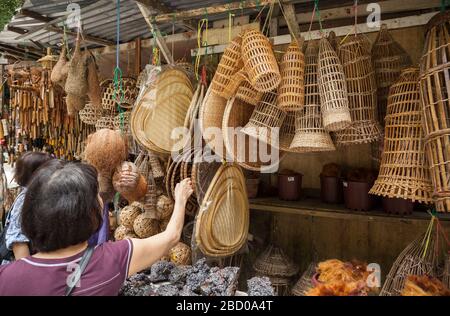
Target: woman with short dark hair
62, 209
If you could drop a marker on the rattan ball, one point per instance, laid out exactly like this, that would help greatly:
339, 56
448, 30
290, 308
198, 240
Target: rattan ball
163, 224
122, 232
180, 254
164, 207
129, 214
145, 226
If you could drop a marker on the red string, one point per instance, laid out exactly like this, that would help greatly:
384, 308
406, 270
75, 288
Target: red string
204, 75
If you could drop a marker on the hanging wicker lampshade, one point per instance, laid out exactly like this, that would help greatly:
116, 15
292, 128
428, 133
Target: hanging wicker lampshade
332, 89
310, 135
404, 172
362, 92
291, 91
389, 59
435, 91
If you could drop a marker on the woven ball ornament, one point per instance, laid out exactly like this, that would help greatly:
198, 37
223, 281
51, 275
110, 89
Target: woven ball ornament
128, 215
180, 254
144, 226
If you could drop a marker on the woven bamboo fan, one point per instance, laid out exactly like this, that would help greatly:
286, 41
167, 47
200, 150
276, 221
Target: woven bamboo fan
291, 91
228, 66
404, 172
389, 59
222, 223
260, 62
266, 120
310, 135
332, 89
362, 92
89, 114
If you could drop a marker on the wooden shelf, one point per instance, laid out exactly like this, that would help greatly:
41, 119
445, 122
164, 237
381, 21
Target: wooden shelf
316, 208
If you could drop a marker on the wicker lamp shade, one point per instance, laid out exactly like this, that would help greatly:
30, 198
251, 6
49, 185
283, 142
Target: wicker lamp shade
260, 62
228, 66
291, 91
362, 92
435, 91
90, 114
310, 135
266, 120
332, 89
389, 59
404, 172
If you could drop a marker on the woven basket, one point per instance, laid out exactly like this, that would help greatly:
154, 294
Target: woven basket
155, 165
203, 173
260, 62
108, 100
287, 133
266, 120
122, 121
310, 135
247, 93
105, 122
89, 114
130, 93
404, 172
389, 59
235, 82
228, 66
332, 89
274, 262
304, 284
291, 91
362, 93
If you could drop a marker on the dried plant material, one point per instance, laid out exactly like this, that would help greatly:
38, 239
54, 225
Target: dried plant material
424, 285
60, 71
76, 82
332, 271
145, 226
94, 90
180, 254
74, 103
339, 288
129, 214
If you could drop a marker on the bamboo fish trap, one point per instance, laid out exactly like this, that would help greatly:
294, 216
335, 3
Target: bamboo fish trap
332, 89
310, 135
291, 91
404, 172
389, 59
362, 92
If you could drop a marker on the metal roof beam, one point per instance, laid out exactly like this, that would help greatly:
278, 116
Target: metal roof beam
87, 38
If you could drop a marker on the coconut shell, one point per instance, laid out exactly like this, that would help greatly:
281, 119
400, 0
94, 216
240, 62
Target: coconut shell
128, 215
105, 150
74, 103
94, 90
144, 226
181, 254
76, 82
60, 70
121, 232
164, 207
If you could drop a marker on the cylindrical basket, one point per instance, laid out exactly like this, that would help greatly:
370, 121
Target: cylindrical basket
247, 93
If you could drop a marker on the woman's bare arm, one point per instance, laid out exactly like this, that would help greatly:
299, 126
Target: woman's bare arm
20, 250
148, 251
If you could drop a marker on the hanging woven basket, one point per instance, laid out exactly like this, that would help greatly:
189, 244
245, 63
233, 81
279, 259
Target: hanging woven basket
310, 135
354, 55
89, 114
332, 89
105, 122
291, 91
404, 172
247, 93
122, 121
260, 62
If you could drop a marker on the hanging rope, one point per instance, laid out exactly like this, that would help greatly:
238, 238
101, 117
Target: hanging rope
311, 23
316, 5
202, 23
118, 79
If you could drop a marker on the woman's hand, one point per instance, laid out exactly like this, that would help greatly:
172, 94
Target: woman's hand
183, 191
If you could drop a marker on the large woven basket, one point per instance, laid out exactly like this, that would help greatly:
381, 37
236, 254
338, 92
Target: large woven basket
291, 91
260, 62
389, 59
404, 172
310, 135
362, 92
287, 133
332, 89
247, 93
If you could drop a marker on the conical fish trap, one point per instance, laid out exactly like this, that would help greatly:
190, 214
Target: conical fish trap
404, 172
310, 135
266, 120
260, 62
287, 133
389, 59
362, 93
291, 91
332, 89
89, 114
228, 66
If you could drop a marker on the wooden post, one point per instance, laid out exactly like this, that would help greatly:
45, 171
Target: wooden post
138, 57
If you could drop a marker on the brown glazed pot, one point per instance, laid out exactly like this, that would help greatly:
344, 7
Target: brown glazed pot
289, 186
331, 190
398, 206
357, 197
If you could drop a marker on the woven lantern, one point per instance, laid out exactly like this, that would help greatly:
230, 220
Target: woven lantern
291, 91
260, 62
389, 59
332, 89
362, 92
435, 91
310, 135
130, 91
404, 172
89, 114
266, 120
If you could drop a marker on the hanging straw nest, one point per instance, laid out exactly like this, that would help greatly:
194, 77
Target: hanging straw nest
89, 114
105, 150
129, 213
362, 92
404, 172
61, 69
145, 226
260, 62
164, 207
94, 90
389, 59
76, 82
74, 103
181, 254
332, 89
310, 135
129, 183
291, 91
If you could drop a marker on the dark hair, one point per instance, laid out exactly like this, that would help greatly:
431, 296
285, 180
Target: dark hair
61, 206
27, 164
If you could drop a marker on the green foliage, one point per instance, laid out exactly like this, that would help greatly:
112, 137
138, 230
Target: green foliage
7, 8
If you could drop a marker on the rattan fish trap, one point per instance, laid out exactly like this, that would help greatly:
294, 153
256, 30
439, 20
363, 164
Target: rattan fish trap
404, 172
260, 62
228, 66
247, 93
389, 59
310, 135
332, 89
287, 133
266, 120
291, 91
304, 284
362, 92
105, 122
89, 114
